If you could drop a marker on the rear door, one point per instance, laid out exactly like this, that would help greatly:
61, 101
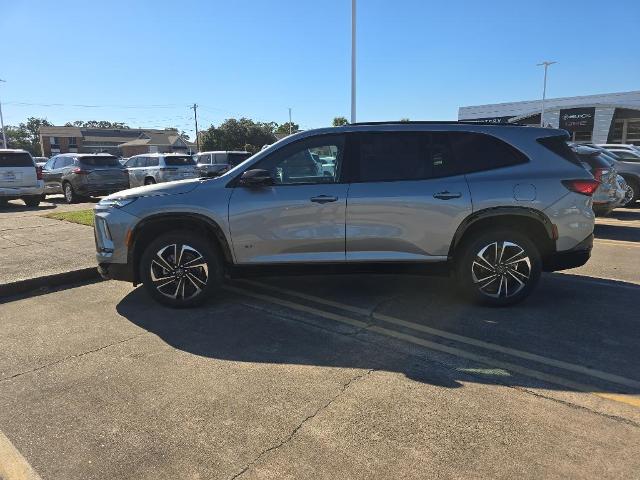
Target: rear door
406, 199
299, 219
17, 170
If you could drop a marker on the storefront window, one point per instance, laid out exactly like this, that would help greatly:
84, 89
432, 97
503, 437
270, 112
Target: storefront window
633, 131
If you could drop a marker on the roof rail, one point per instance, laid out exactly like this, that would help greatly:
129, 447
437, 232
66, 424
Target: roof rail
435, 122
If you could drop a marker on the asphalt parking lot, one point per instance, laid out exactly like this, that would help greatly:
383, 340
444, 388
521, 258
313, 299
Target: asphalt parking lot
331, 377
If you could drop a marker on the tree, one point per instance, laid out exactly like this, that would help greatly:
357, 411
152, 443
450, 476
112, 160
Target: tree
340, 121
404, 120
97, 124
237, 134
284, 128
26, 135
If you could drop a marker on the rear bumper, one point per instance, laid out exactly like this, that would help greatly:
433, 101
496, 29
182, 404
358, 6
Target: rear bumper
576, 257
19, 192
98, 190
116, 271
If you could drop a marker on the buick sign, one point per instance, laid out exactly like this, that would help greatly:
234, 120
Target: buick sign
577, 119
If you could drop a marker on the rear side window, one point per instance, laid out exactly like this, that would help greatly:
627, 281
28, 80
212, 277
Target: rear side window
15, 159
595, 161
237, 158
152, 162
177, 161
476, 152
385, 157
101, 161
558, 145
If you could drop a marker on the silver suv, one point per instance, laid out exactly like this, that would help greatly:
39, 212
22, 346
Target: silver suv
153, 168
496, 205
212, 164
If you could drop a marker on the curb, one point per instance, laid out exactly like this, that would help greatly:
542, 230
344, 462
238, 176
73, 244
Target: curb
48, 281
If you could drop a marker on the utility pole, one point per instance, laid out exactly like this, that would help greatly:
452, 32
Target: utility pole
290, 129
544, 88
353, 61
4, 135
195, 117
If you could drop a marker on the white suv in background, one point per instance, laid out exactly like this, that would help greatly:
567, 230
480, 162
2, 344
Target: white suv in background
20, 178
150, 168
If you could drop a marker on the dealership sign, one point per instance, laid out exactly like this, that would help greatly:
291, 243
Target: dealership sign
490, 120
577, 119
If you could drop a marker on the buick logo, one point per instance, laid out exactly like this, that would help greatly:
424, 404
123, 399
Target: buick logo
575, 116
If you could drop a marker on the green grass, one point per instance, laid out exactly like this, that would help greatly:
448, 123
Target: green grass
83, 217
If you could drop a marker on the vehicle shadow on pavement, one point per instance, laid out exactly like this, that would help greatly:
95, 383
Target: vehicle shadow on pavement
571, 318
11, 207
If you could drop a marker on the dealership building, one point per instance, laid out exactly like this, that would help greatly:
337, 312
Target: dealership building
605, 118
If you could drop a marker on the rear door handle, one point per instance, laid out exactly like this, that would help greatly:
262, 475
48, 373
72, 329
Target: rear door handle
324, 199
446, 195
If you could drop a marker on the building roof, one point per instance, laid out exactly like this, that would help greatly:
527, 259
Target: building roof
118, 136
61, 131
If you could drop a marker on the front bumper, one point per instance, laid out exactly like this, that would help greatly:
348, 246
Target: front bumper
116, 271
576, 257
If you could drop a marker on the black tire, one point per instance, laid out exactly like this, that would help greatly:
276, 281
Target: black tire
32, 201
70, 195
636, 192
521, 274
181, 280
149, 181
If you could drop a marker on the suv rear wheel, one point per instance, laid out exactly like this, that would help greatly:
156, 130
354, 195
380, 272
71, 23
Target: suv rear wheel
181, 269
498, 268
69, 195
32, 201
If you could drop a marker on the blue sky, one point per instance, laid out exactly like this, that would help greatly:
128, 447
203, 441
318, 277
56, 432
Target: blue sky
145, 62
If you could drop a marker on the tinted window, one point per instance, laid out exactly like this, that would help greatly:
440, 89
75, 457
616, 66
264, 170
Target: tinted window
101, 161
152, 162
594, 161
392, 156
476, 152
558, 145
15, 159
315, 160
185, 160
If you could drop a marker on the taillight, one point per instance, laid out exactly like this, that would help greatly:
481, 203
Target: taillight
39, 173
80, 171
598, 173
584, 187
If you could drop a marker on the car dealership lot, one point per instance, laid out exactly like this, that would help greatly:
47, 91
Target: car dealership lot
332, 377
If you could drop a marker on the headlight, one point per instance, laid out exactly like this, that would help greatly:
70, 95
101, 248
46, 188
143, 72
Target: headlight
116, 202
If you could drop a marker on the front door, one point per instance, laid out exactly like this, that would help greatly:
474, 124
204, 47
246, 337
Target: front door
406, 200
299, 219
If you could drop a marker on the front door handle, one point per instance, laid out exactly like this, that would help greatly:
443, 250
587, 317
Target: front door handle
446, 195
324, 199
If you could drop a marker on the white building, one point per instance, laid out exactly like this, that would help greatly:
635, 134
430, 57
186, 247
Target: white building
606, 118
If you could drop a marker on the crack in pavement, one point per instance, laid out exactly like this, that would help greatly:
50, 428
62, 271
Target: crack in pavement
64, 359
289, 437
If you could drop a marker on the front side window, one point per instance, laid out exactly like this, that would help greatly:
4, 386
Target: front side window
310, 161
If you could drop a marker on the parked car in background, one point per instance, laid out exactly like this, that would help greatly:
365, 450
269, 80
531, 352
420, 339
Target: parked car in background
495, 204
123, 160
78, 175
20, 178
609, 193
627, 164
40, 161
618, 146
212, 164
151, 168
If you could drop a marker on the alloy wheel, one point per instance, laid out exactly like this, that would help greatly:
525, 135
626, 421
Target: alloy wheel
68, 193
179, 271
501, 269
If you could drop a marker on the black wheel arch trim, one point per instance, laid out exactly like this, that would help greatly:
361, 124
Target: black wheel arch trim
500, 212
168, 217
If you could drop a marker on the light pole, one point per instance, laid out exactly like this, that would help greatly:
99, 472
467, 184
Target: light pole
544, 88
4, 135
353, 61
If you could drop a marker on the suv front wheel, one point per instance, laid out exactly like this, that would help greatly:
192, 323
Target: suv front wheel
498, 268
181, 269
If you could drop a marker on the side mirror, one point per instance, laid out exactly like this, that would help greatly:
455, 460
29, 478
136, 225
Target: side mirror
256, 178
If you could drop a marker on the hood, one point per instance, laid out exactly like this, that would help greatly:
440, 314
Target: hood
169, 188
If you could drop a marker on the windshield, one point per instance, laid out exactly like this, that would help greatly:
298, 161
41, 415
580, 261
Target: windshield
185, 160
101, 161
15, 159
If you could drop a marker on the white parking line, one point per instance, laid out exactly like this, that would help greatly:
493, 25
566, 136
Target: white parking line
13, 465
621, 398
610, 377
